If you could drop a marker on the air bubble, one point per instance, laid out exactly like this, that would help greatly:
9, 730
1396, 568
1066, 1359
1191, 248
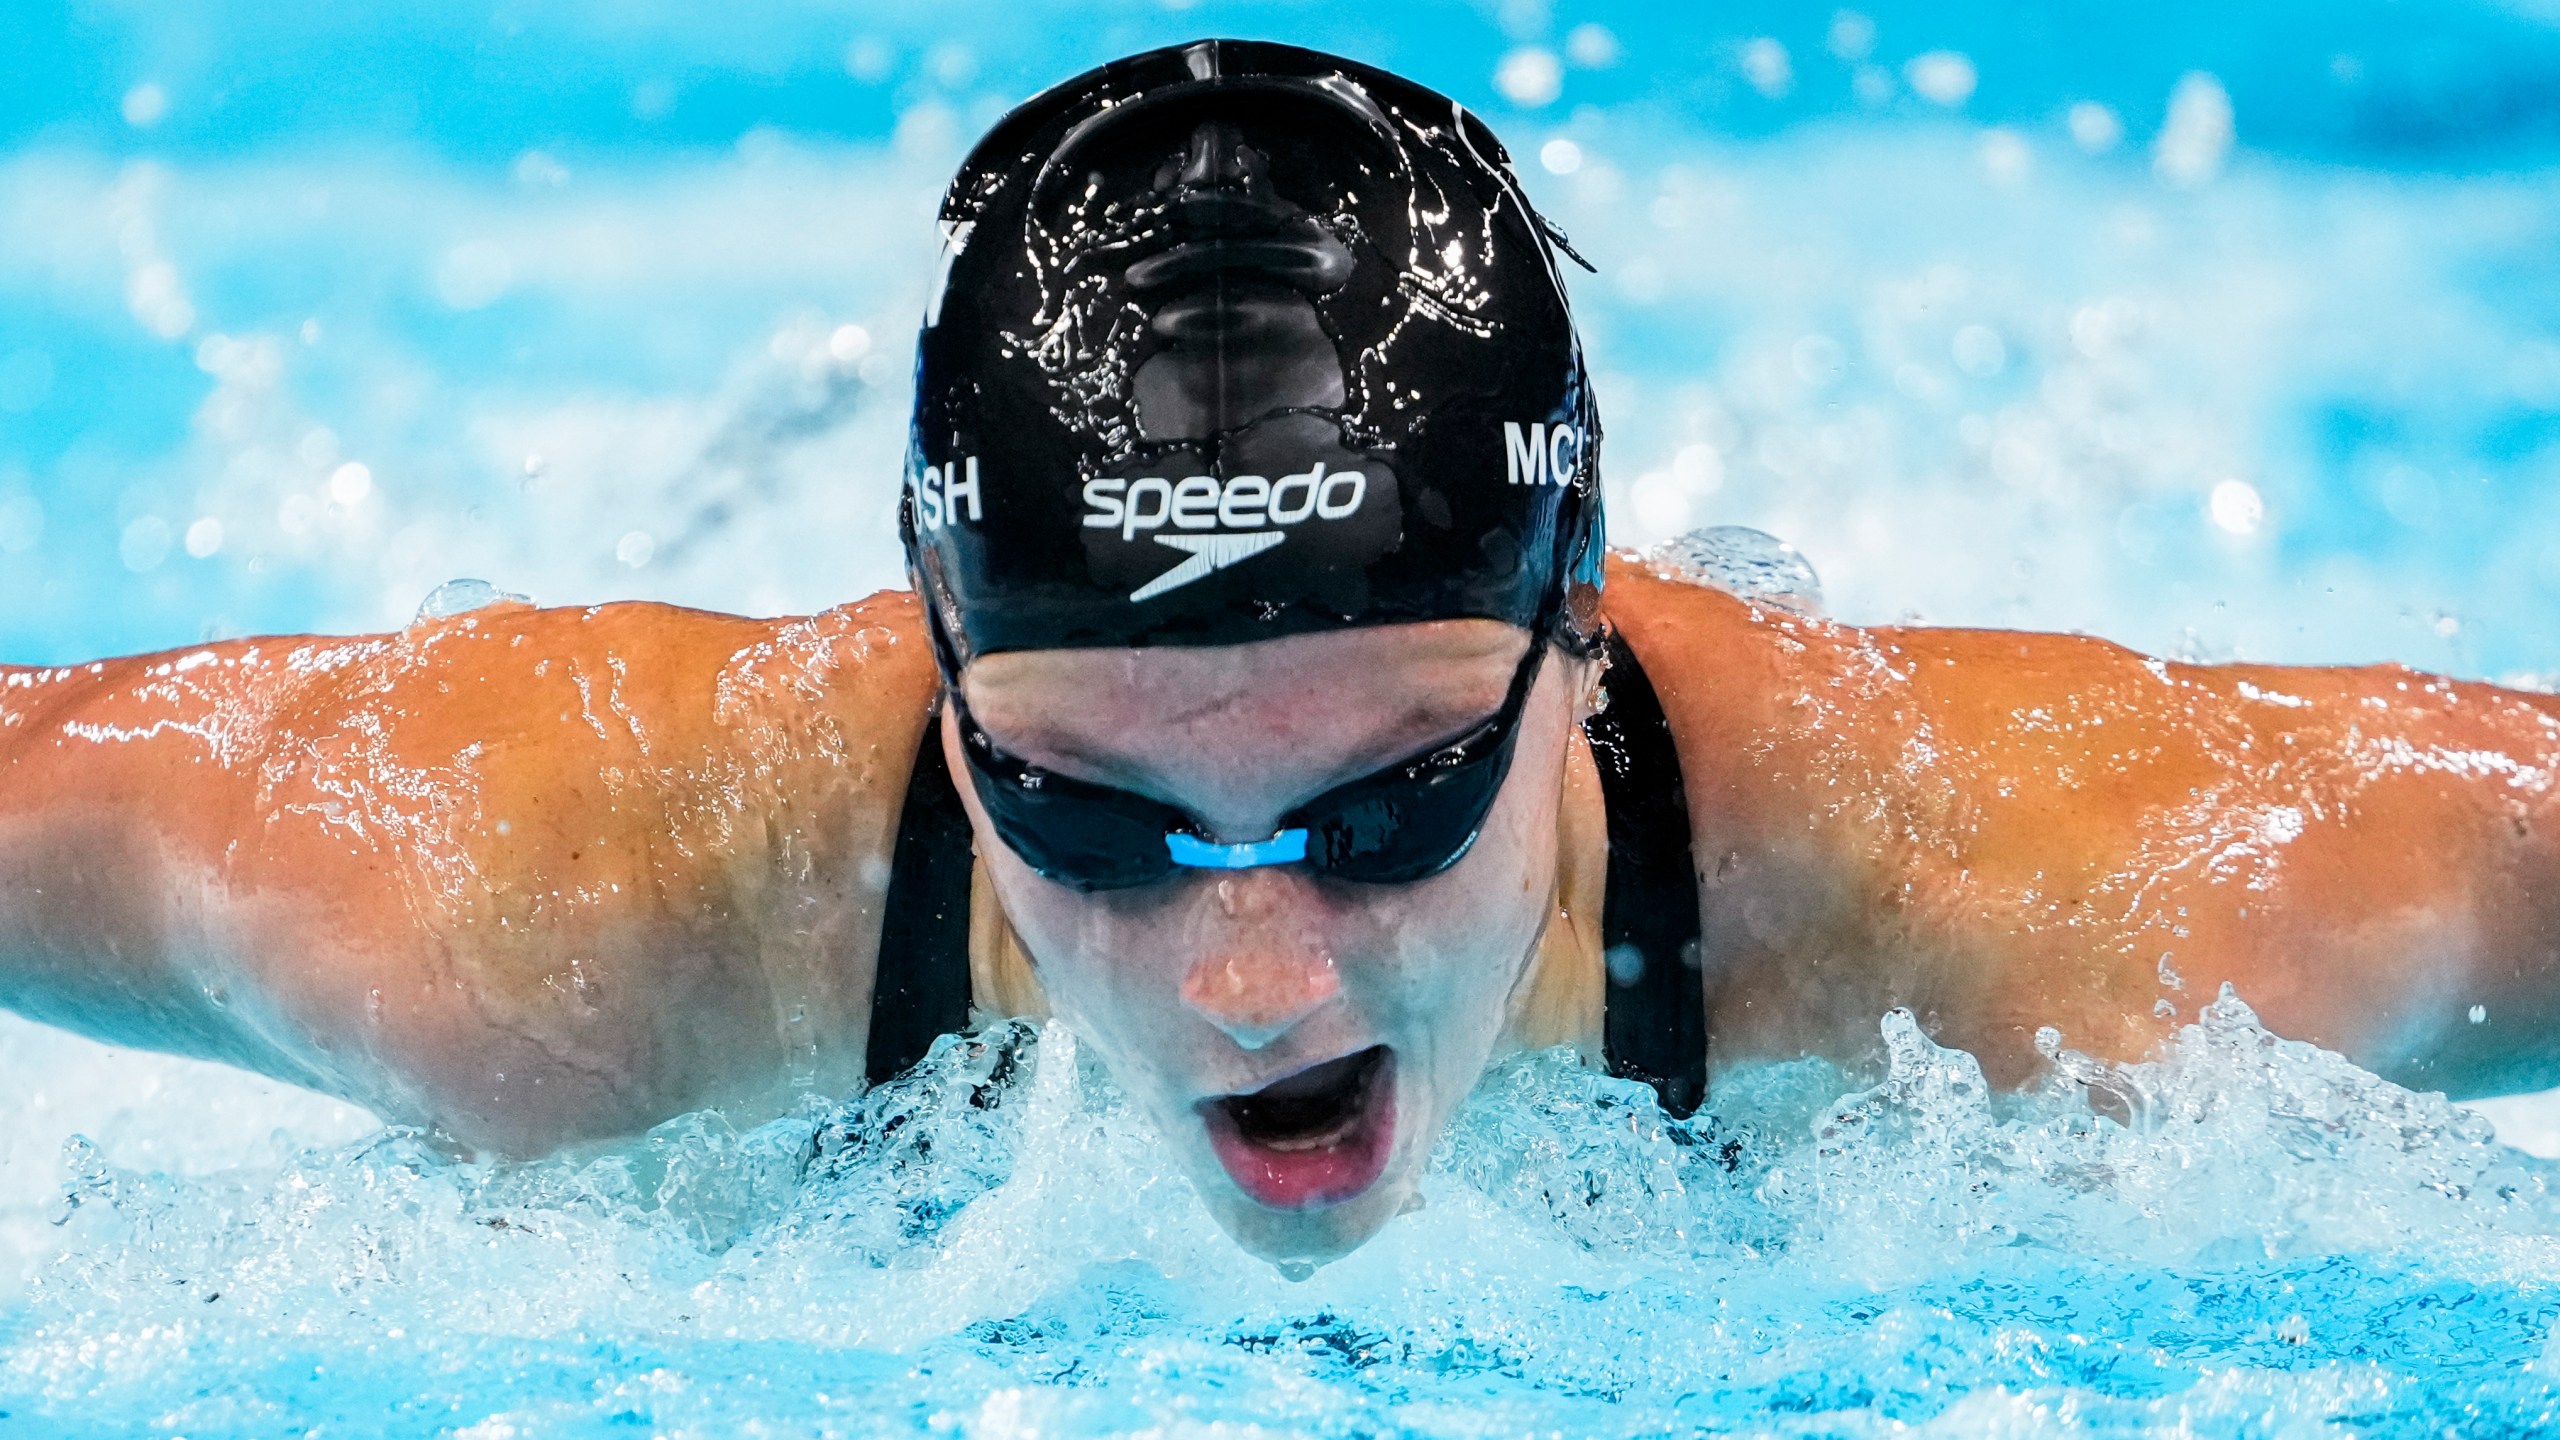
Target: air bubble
461, 597
1757, 566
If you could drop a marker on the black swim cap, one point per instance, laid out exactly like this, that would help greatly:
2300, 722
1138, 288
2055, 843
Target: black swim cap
1236, 340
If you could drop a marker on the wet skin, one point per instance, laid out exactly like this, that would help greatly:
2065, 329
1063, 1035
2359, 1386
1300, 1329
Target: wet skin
1218, 985
538, 877
528, 877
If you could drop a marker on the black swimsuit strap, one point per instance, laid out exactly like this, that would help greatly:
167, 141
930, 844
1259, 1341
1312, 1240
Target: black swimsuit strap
1657, 1009
1657, 1030
920, 990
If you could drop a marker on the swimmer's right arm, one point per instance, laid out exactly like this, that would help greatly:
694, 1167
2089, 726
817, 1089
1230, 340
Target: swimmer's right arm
116, 779
526, 875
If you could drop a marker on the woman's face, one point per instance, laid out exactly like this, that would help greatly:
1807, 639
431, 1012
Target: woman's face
1300, 1040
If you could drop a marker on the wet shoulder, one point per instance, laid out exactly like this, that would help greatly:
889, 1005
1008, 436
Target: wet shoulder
638, 676
438, 746
620, 685
1727, 668
1934, 737
1911, 697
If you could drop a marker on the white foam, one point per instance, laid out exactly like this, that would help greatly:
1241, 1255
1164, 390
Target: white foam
996, 1242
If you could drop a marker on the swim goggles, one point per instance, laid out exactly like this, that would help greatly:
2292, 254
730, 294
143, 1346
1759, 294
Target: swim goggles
1403, 823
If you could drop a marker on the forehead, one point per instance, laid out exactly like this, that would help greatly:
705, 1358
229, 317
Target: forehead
1321, 697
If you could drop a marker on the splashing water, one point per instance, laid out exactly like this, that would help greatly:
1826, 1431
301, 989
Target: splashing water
461, 597
1750, 563
2268, 1241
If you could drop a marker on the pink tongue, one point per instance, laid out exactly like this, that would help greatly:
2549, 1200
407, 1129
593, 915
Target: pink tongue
1315, 1177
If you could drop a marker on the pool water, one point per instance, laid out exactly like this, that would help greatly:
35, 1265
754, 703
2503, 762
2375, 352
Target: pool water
2248, 1236
2218, 331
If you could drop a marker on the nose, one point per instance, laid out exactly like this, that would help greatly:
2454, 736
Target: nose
1258, 978
1256, 992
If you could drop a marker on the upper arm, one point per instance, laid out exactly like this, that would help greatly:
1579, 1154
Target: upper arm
572, 872
2365, 854
2006, 830
2420, 925
119, 780
625, 850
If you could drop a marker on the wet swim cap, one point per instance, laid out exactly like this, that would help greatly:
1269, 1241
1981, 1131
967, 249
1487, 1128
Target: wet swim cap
1236, 340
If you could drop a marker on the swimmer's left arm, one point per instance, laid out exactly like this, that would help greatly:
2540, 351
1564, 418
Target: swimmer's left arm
2005, 830
2369, 856
2388, 854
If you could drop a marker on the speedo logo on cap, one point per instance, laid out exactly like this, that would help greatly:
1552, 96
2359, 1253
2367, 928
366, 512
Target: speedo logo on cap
1223, 521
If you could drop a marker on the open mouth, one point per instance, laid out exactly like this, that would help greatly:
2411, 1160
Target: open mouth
1312, 1139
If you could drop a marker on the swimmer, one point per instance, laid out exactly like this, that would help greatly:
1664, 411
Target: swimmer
1266, 707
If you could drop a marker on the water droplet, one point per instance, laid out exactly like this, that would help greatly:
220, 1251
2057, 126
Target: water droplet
460, 597
145, 544
1530, 77
1592, 46
1767, 66
1296, 1270
2094, 127
2479, 1014
1945, 77
1979, 351
2197, 138
2237, 507
1749, 563
351, 482
145, 104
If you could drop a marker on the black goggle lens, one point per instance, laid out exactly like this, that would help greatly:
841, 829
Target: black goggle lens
1404, 823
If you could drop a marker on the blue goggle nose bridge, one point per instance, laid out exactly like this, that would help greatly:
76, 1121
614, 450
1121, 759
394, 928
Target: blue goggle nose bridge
1286, 848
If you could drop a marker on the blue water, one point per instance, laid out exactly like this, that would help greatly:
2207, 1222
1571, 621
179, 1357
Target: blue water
2222, 331
2272, 1243
1963, 299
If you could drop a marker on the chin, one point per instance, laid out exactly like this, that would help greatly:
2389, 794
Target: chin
1292, 1239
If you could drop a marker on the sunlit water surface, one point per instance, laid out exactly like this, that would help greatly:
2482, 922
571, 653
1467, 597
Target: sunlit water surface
2233, 337
2268, 1241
